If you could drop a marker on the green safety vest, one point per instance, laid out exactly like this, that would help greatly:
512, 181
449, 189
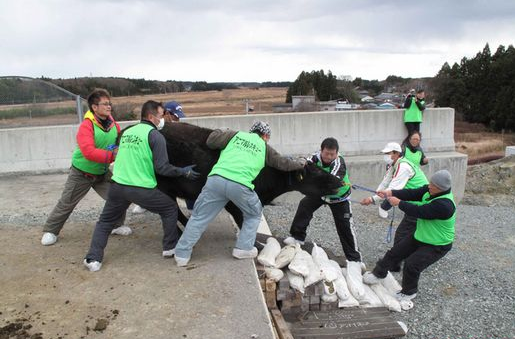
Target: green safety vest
242, 159
436, 231
134, 165
345, 180
103, 140
418, 180
413, 114
413, 157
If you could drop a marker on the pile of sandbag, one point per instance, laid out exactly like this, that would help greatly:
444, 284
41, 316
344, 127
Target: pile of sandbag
342, 285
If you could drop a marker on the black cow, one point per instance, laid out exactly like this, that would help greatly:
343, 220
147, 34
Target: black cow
186, 145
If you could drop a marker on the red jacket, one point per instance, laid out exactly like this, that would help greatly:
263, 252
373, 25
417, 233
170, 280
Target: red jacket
86, 139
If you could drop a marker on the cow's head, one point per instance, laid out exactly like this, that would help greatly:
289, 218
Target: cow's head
316, 182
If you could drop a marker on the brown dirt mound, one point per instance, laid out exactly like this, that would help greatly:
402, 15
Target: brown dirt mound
491, 183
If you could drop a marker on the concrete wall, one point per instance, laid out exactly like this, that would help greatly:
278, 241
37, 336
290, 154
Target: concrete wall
510, 150
360, 134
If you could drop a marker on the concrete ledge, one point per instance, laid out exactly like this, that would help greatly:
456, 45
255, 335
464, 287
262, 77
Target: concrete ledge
358, 132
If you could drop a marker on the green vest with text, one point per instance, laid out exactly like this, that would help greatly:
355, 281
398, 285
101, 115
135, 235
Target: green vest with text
413, 157
242, 159
436, 231
103, 140
345, 180
418, 180
134, 165
413, 114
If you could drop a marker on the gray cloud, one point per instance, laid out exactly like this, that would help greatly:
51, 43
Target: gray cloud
229, 40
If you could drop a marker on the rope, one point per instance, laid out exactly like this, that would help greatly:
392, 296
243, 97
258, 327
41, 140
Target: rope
389, 232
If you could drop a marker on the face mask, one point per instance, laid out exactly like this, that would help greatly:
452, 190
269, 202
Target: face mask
387, 159
161, 124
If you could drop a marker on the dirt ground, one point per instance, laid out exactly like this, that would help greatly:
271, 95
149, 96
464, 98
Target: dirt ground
47, 293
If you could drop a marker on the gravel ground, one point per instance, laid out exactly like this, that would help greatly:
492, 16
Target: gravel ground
467, 294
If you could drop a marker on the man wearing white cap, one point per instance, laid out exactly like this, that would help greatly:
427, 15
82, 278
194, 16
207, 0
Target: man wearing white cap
400, 173
433, 206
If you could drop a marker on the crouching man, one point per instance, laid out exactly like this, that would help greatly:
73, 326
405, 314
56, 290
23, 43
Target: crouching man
433, 206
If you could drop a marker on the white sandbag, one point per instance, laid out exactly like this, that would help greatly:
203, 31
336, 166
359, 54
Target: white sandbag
340, 284
391, 284
386, 298
355, 280
286, 255
296, 281
370, 299
299, 264
320, 258
269, 252
315, 273
329, 294
274, 273
349, 302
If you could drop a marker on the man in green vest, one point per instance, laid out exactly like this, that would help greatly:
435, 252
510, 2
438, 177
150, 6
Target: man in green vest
96, 139
243, 156
141, 154
330, 161
400, 174
433, 206
414, 107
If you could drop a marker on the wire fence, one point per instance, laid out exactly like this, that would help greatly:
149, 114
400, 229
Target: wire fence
35, 102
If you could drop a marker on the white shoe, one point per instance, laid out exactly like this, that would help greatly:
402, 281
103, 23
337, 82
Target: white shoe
48, 239
370, 279
181, 262
243, 254
92, 266
292, 241
382, 213
138, 209
122, 230
169, 253
405, 297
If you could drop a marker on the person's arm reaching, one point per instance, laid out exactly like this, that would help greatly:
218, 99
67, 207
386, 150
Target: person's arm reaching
218, 139
275, 160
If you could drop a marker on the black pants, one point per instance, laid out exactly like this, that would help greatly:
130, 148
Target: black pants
406, 228
119, 198
342, 218
417, 255
412, 127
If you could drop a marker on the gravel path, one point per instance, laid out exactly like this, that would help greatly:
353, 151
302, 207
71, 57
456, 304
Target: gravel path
467, 294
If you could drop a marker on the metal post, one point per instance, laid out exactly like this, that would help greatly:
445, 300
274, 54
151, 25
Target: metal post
79, 108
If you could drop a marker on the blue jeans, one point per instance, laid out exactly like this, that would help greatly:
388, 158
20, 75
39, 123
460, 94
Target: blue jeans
217, 192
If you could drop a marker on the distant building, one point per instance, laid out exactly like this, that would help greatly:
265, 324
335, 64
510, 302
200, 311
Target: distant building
281, 108
303, 103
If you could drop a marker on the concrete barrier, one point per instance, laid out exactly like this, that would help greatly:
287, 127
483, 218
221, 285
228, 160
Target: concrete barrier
361, 135
510, 150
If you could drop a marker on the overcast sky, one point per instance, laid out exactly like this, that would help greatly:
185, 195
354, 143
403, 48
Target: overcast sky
237, 40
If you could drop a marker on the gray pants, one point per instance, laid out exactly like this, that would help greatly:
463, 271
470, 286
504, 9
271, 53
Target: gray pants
118, 200
214, 196
77, 186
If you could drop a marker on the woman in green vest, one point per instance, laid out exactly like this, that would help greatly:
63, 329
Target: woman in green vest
433, 206
412, 150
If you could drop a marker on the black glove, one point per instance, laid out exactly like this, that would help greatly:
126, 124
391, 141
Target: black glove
189, 173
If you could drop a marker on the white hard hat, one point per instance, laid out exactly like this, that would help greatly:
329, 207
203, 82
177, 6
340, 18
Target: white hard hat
392, 146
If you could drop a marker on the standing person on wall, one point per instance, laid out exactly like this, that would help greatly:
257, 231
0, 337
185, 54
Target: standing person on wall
96, 139
414, 107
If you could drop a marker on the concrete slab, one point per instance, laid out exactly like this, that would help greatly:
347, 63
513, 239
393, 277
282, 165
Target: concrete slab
140, 294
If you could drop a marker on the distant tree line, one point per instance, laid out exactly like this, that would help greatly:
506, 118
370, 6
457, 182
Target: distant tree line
118, 86
323, 86
481, 89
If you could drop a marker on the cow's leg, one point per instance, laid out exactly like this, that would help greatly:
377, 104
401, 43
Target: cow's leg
236, 213
182, 218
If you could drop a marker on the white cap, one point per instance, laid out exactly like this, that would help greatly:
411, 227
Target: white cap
392, 146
